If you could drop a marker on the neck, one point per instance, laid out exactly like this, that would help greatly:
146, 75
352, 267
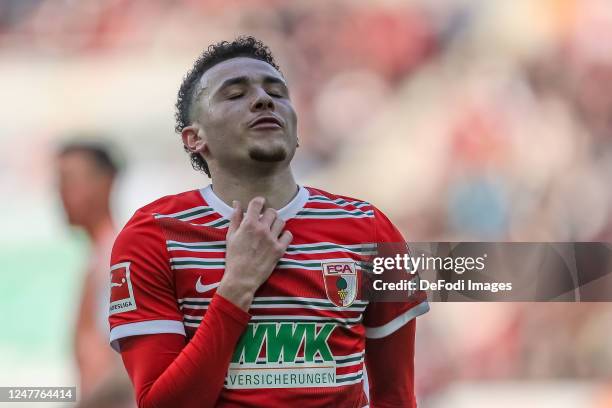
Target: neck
98, 229
278, 188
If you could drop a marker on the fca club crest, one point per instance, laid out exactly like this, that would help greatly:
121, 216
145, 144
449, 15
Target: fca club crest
340, 282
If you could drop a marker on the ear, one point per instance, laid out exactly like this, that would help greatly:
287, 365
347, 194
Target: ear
194, 138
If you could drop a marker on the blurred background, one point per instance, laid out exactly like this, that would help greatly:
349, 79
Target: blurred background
461, 119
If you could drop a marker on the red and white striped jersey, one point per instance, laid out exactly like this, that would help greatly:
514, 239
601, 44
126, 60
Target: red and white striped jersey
306, 338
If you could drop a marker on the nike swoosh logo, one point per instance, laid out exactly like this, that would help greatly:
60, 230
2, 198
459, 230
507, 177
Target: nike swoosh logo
205, 288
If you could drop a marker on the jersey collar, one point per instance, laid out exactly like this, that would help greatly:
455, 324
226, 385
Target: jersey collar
285, 213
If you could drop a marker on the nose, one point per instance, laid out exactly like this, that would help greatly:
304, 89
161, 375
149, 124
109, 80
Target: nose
262, 101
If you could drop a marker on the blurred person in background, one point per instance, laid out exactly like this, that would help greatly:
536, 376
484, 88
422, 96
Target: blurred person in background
86, 173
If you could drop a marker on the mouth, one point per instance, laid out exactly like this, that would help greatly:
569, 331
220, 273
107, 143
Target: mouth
266, 122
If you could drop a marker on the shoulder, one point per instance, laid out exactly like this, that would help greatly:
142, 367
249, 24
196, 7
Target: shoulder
181, 206
145, 221
383, 228
325, 198
172, 205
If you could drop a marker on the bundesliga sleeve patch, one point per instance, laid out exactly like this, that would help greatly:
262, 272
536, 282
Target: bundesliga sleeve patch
122, 295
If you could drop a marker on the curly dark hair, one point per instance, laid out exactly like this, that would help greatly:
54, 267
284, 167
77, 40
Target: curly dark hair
244, 46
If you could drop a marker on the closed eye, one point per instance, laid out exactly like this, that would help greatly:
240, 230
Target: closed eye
236, 96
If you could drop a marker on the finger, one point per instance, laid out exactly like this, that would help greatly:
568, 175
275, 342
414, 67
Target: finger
236, 217
277, 227
268, 217
285, 239
254, 208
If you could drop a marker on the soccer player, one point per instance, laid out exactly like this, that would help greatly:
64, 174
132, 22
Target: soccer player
246, 293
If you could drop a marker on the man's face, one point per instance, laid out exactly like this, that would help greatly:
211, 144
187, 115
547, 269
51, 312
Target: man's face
245, 115
83, 188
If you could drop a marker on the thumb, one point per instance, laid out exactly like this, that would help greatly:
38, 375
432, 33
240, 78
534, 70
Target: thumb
236, 218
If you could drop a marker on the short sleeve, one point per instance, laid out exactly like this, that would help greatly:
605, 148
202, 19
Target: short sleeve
383, 318
143, 299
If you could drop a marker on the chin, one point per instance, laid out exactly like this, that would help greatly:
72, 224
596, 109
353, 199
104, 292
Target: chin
268, 156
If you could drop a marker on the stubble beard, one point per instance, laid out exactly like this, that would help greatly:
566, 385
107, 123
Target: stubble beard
273, 155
